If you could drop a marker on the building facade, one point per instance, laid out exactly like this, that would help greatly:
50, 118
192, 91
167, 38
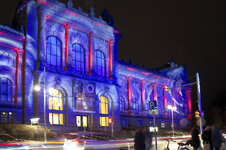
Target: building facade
73, 58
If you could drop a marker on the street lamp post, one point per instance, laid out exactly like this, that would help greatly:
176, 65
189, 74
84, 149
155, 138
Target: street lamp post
38, 88
45, 105
172, 108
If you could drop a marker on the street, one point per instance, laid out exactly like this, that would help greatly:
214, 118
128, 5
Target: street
59, 145
162, 143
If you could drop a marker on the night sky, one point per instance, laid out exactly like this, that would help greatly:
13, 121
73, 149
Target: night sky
154, 31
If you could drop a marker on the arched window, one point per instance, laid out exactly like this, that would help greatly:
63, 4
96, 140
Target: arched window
103, 105
103, 110
135, 105
99, 63
78, 58
56, 106
54, 52
5, 90
123, 105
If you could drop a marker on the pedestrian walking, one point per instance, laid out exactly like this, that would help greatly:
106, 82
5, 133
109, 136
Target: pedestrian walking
206, 137
139, 140
217, 138
195, 137
148, 138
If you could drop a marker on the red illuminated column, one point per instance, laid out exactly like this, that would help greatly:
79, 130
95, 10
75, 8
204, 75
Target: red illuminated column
142, 94
178, 97
188, 95
154, 92
174, 98
69, 63
16, 76
90, 54
110, 58
66, 45
129, 94
165, 100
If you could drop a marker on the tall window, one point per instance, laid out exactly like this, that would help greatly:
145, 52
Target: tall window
6, 117
135, 105
78, 58
5, 90
123, 105
99, 63
56, 106
103, 110
54, 52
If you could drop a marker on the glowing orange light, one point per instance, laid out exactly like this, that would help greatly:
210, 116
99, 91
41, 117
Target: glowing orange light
197, 114
166, 88
109, 120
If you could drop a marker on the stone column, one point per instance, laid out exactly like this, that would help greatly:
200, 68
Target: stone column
70, 55
154, 91
110, 58
107, 69
17, 77
142, 95
129, 94
178, 97
90, 53
188, 96
66, 46
165, 100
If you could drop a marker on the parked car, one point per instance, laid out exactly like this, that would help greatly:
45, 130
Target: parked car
92, 140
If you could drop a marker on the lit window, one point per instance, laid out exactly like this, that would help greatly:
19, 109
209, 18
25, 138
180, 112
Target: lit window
54, 52
5, 90
55, 100
104, 121
78, 58
55, 118
103, 110
78, 121
56, 104
6, 117
99, 63
84, 121
103, 105
162, 125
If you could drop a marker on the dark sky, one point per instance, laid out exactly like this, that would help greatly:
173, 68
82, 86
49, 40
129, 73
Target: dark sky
192, 32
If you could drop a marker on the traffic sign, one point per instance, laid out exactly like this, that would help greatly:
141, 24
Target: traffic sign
153, 105
154, 112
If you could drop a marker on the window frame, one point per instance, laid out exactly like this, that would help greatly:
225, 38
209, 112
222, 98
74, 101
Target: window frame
123, 105
50, 53
60, 99
7, 118
104, 114
100, 69
9, 93
56, 111
105, 104
81, 63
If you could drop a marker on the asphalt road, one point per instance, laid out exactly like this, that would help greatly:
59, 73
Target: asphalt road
162, 143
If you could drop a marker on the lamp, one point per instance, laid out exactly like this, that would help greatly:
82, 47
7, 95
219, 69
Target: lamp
172, 108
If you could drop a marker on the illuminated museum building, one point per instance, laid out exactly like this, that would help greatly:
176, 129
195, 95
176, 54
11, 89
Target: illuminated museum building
85, 82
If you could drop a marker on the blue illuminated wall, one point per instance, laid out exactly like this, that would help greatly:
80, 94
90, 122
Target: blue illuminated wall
79, 54
139, 86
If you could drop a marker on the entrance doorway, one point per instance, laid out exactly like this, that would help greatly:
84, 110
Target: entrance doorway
82, 122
